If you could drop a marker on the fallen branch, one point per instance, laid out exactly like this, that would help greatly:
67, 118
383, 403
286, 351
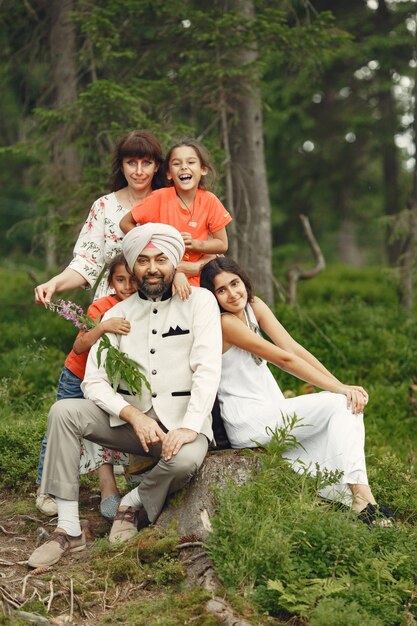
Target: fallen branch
190, 544
6, 532
51, 596
25, 581
9, 598
297, 273
32, 618
72, 600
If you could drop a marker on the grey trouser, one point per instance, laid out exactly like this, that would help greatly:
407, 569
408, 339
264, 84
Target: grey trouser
74, 419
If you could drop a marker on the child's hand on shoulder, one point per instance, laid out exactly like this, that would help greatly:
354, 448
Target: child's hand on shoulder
181, 286
188, 241
117, 325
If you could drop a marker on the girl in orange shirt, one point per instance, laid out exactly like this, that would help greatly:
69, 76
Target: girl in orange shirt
187, 205
93, 457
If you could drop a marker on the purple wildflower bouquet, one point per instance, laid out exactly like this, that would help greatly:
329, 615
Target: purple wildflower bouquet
118, 365
74, 313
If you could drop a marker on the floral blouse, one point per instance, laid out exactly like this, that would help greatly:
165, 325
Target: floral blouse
99, 241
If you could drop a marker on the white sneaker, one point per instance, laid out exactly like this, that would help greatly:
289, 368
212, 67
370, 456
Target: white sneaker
46, 505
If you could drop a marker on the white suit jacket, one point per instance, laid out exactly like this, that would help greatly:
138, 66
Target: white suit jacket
177, 345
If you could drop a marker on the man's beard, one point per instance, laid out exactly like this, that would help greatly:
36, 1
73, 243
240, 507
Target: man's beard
155, 290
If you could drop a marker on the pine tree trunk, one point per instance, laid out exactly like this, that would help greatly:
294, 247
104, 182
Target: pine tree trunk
388, 129
250, 187
65, 161
350, 253
407, 259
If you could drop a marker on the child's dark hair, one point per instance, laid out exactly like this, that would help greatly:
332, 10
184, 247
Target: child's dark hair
117, 260
202, 155
224, 264
138, 144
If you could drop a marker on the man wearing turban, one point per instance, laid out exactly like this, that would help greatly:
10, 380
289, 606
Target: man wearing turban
177, 345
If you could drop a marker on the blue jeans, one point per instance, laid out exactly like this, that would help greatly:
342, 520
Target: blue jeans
69, 386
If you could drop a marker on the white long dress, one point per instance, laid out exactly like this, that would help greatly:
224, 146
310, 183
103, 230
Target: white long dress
99, 241
252, 405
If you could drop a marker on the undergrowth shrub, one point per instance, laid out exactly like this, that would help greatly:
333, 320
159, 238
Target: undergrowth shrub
357, 329
20, 444
292, 551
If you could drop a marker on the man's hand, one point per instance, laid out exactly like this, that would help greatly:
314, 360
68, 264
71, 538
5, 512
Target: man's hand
147, 429
174, 439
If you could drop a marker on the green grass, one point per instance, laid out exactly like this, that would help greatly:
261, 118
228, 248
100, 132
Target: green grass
274, 543
295, 555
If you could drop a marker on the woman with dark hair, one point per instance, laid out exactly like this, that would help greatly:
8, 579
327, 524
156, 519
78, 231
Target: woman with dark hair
136, 172
330, 429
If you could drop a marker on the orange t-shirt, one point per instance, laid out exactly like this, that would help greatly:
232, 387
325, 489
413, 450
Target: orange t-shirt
76, 362
207, 215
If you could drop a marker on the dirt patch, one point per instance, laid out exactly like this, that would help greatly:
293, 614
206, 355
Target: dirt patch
53, 591
157, 579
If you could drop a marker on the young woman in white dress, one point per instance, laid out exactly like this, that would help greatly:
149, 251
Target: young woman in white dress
136, 172
331, 429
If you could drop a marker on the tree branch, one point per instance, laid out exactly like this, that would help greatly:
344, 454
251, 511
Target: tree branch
297, 273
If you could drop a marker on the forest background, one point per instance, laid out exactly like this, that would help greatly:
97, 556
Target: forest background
307, 108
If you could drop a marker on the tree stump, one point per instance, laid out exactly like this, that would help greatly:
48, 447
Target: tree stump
191, 510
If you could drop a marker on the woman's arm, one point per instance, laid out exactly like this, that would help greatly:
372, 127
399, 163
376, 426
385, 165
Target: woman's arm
190, 268
236, 333
281, 338
67, 279
217, 243
127, 222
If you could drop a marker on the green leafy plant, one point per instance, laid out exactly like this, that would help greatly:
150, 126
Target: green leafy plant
295, 554
120, 367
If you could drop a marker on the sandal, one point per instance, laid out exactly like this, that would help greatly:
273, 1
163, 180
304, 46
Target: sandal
377, 515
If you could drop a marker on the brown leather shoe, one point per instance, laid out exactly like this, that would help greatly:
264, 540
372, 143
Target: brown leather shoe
142, 519
58, 544
124, 525
127, 523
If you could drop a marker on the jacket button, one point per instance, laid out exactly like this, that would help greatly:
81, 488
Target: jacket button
153, 371
152, 350
155, 311
154, 395
154, 331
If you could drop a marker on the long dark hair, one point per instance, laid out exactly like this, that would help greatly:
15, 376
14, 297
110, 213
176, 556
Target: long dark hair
202, 155
138, 144
224, 264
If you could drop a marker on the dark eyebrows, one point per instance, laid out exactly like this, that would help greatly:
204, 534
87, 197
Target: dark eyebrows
157, 256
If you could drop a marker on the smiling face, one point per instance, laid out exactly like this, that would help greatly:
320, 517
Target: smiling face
122, 282
139, 173
154, 272
185, 169
230, 292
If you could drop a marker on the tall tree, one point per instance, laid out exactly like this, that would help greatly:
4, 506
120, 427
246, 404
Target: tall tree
332, 139
250, 183
65, 165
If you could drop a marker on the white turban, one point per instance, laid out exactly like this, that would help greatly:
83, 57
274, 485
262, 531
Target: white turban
164, 237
